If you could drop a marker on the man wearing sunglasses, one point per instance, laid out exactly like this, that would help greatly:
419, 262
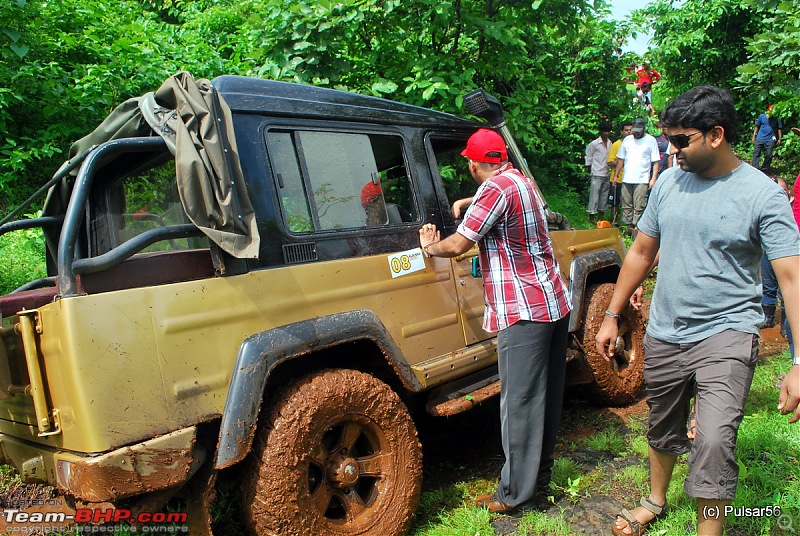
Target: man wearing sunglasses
712, 217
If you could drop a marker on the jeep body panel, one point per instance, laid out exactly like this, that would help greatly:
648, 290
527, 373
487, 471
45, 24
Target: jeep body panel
176, 356
132, 355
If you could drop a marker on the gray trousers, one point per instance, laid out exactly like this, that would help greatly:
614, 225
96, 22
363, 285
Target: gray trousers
598, 194
532, 362
634, 199
718, 371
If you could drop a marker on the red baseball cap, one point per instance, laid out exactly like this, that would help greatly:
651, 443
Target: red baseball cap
369, 192
486, 146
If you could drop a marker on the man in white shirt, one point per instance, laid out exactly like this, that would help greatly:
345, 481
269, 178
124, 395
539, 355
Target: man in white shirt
639, 156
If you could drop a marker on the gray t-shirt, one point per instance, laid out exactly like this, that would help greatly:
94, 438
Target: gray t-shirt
713, 233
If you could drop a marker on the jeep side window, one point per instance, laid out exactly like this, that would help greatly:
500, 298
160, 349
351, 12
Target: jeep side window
453, 168
128, 206
337, 180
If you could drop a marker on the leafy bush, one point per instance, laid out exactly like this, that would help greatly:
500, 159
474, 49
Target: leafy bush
23, 258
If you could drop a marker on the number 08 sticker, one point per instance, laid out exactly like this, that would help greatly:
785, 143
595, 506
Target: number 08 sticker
406, 262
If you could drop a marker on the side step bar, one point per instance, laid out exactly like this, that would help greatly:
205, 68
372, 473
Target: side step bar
464, 394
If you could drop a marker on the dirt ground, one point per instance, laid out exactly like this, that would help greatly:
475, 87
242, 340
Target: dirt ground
446, 458
469, 443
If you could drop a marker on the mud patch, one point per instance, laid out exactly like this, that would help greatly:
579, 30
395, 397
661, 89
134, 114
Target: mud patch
771, 342
337, 454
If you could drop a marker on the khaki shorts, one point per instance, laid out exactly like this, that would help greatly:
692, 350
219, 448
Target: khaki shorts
718, 372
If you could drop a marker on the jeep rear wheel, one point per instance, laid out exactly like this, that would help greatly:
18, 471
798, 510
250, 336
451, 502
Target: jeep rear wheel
619, 382
337, 454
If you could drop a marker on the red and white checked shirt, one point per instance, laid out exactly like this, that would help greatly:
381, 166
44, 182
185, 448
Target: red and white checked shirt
521, 277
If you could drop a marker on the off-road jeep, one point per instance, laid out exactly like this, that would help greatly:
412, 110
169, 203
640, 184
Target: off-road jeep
157, 353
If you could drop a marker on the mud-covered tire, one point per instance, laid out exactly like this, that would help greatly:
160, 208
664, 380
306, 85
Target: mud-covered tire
619, 382
337, 454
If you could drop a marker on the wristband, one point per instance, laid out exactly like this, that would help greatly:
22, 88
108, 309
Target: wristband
425, 250
615, 316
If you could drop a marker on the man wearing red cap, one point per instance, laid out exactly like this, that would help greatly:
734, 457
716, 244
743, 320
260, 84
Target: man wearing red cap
373, 203
527, 306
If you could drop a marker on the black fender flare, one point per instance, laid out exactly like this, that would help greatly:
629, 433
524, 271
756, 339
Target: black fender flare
261, 352
579, 270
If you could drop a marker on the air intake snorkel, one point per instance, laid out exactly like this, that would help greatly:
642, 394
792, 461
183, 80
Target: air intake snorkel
481, 104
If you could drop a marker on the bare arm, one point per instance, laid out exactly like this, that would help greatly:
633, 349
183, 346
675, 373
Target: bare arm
637, 264
460, 206
788, 275
452, 246
617, 168
654, 174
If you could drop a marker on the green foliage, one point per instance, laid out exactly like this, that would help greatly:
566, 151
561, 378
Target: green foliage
23, 258
695, 44
67, 64
751, 47
608, 440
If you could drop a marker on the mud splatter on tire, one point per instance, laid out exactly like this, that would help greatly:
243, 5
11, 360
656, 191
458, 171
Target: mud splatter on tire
619, 382
336, 454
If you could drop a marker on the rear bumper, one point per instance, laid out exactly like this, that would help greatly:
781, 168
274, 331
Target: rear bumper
160, 463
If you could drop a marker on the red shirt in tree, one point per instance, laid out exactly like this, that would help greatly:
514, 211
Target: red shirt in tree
645, 74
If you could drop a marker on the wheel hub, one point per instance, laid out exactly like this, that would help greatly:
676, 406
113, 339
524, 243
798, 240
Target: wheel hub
342, 471
619, 361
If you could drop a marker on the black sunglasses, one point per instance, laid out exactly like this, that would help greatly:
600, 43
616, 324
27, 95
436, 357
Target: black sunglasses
681, 141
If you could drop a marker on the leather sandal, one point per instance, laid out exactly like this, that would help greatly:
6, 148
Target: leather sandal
637, 528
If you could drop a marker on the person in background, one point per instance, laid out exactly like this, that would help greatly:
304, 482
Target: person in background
596, 159
639, 158
771, 293
374, 204
766, 136
646, 77
615, 191
663, 150
527, 305
703, 328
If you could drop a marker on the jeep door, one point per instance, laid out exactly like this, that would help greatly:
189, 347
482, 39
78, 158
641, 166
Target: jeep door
455, 182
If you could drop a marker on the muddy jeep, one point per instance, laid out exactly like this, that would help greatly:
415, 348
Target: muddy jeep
236, 281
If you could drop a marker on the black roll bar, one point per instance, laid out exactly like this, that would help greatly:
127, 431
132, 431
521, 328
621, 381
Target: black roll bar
133, 246
68, 241
32, 223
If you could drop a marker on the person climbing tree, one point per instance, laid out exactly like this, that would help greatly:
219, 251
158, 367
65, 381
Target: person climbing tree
645, 78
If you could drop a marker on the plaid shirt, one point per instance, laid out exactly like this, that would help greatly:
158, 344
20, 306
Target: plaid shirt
521, 277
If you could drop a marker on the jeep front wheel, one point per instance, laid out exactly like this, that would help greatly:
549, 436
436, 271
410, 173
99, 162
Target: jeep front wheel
620, 381
336, 454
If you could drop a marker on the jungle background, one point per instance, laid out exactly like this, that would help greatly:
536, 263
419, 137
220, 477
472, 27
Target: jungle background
558, 68
555, 65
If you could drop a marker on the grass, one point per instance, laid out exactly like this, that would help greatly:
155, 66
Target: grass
768, 450
608, 440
